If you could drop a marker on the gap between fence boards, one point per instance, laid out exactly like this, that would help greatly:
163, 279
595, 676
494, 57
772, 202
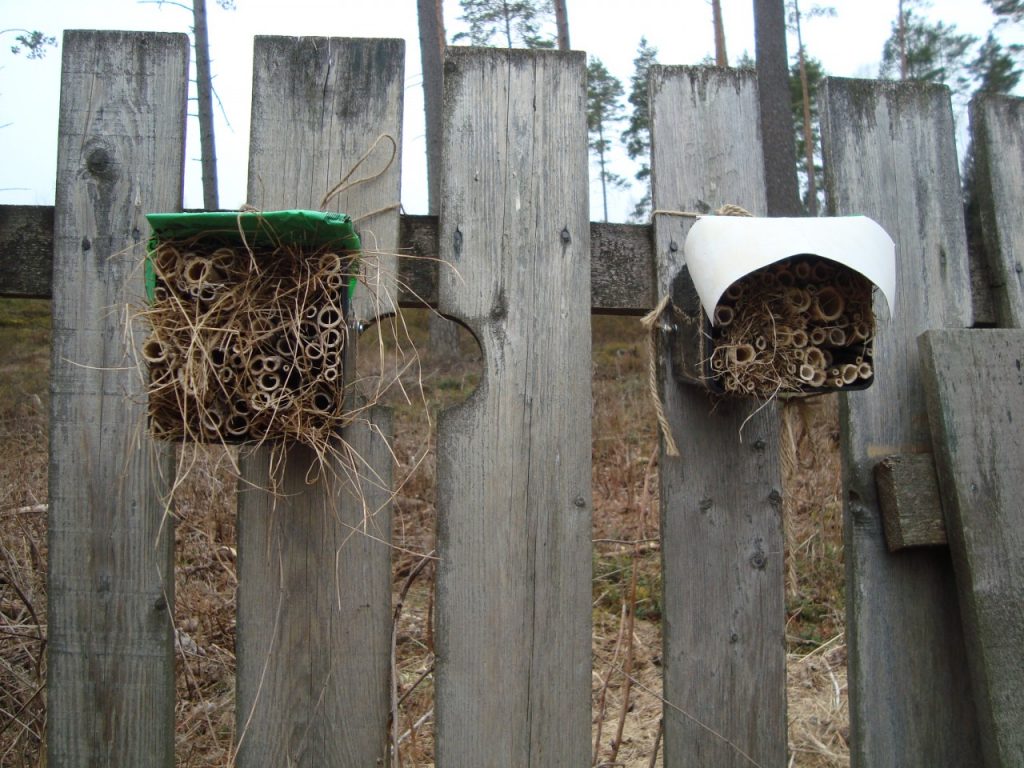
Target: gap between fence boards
622, 261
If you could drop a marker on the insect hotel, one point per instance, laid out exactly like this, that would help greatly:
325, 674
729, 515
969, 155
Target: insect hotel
785, 304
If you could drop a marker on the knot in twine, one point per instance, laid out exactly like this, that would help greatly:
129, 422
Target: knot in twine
652, 322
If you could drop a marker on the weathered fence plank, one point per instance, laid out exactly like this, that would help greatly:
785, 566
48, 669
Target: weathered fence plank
889, 154
997, 126
724, 608
513, 601
111, 591
314, 601
975, 388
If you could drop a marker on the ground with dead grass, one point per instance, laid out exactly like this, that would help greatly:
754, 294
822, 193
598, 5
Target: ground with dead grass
627, 576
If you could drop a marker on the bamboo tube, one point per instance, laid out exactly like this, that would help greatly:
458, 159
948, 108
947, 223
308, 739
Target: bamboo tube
329, 317
785, 277
849, 373
802, 271
741, 354
798, 299
167, 262
160, 294
332, 339
222, 259
807, 372
819, 378
236, 425
334, 281
269, 381
815, 358
822, 271
313, 351
323, 401
828, 304
329, 262
734, 291
865, 371
717, 363
760, 343
800, 338
154, 351
817, 336
196, 269
837, 337
724, 315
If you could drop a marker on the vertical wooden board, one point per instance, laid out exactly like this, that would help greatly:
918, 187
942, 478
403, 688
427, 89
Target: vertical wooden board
724, 602
889, 154
314, 601
513, 602
111, 588
997, 127
975, 390
327, 119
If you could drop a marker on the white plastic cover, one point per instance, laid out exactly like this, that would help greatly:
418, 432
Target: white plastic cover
720, 250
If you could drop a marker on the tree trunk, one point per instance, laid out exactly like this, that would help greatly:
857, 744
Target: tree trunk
432, 45
204, 93
721, 57
805, 94
903, 43
562, 22
775, 107
604, 174
443, 335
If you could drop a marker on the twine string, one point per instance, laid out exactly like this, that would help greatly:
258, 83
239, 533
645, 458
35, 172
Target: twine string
652, 322
347, 182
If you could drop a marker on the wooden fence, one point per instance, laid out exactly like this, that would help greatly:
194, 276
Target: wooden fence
935, 632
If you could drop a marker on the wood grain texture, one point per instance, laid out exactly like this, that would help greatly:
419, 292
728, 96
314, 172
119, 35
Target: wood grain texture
997, 126
908, 497
120, 154
314, 600
26, 250
724, 612
514, 503
975, 391
889, 154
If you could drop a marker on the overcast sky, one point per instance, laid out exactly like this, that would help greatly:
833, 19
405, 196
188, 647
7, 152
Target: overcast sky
849, 45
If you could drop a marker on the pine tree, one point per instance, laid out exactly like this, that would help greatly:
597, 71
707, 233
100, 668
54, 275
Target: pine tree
934, 51
33, 42
808, 132
806, 117
514, 21
604, 106
1007, 10
994, 68
637, 136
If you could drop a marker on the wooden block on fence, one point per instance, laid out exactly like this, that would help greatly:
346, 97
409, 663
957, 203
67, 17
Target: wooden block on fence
975, 389
514, 504
997, 126
889, 154
110, 651
314, 598
26, 250
724, 602
908, 496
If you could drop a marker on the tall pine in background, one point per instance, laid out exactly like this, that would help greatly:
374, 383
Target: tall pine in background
604, 107
637, 136
511, 21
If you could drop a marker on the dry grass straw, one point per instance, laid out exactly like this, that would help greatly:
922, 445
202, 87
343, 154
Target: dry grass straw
799, 325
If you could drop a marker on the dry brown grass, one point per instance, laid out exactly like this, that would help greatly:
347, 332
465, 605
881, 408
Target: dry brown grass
625, 510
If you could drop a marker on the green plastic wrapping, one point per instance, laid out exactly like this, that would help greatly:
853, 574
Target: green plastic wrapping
311, 230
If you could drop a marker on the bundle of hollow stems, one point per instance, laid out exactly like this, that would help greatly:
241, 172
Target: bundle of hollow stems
247, 346
799, 325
